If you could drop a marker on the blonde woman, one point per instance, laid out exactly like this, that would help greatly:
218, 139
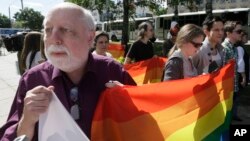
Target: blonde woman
179, 64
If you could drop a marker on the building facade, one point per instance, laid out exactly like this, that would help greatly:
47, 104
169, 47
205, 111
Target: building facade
200, 5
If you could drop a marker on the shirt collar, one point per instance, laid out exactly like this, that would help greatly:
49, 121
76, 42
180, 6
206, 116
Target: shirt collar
227, 41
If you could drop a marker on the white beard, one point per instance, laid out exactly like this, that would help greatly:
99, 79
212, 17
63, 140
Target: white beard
67, 62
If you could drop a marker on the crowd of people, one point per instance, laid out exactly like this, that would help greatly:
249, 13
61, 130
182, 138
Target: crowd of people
78, 61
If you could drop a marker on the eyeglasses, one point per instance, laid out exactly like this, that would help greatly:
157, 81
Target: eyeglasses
196, 45
74, 110
238, 31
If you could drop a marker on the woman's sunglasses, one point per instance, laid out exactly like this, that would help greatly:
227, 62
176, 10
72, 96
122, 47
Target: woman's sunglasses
196, 45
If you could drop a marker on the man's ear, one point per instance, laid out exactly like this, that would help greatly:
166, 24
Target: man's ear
206, 32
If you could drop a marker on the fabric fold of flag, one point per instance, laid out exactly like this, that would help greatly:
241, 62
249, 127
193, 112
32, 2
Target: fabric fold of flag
148, 71
196, 108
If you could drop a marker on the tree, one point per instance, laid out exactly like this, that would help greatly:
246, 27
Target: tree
99, 5
129, 7
17, 24
4, 21
29, 18
154, 5
191, 4
125, 33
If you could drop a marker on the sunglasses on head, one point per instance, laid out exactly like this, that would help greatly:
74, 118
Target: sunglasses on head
74, 110
196, 45
238, 31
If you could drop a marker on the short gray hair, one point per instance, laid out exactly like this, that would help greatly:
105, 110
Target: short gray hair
86, 15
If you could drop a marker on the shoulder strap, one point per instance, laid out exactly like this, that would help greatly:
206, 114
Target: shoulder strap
181, 65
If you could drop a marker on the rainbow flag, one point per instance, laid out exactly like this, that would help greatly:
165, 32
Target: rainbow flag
148, 71
116, 49
191, 109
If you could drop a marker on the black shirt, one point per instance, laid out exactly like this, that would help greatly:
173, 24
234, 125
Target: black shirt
140, 51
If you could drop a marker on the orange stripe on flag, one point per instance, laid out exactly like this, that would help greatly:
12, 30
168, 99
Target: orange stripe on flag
116, 50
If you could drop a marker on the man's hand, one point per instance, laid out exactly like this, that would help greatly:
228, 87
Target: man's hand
243, 82
36, 102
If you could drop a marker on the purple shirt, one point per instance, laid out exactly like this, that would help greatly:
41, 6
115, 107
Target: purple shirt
99, 71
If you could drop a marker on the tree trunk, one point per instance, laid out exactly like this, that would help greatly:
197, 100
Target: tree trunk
125, 29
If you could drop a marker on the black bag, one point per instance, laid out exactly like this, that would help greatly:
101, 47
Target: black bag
14, 43
213, 67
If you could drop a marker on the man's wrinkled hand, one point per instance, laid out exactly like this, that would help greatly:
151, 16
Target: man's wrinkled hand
36, 102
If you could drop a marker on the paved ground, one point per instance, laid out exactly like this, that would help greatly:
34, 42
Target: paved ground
8, 82
244, 107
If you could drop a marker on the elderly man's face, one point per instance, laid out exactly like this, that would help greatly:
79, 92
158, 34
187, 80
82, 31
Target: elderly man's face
67, 40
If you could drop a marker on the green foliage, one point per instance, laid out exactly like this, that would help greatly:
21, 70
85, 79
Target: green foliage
184, 2
95, 4
4, 21
128, 6
121, 60
176, 2
29, 18
161, 11
18, 24
158, 48
154, 5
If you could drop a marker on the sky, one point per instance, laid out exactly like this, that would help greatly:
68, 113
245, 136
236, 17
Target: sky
15, 5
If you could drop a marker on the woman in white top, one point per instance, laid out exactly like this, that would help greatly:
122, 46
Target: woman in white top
101, 44
31, 54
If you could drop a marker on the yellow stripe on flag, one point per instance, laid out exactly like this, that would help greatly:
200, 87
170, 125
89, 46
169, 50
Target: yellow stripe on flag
205, 125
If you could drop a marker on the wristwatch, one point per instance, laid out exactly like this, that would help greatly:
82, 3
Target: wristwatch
21, 138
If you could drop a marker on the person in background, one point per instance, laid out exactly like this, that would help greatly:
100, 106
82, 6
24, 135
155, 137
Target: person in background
211, 54
244, 40
243, 61
153, 39
75, 75
141, 49
31, 54
101, 43
233, 30
170, 41
179, 64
